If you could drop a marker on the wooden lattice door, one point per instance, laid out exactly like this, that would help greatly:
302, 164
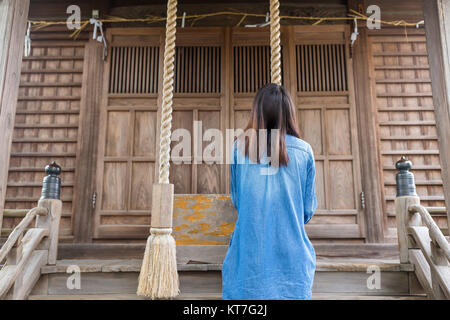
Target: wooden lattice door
128, 134
217, 72
317, 71
322, 79
128, 138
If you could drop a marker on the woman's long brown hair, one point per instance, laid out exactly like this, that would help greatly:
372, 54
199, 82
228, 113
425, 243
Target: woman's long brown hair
272, 109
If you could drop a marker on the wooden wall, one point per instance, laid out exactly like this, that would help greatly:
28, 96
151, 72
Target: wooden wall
218, 70
405, 112
46, 123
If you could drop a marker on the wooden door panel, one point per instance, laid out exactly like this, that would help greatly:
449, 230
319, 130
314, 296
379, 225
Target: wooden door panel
310, 126
127, 136
141, 185
322, 90
145, 133
320, 186
114, 188
181, 174
338, 132
341, 185
117, 135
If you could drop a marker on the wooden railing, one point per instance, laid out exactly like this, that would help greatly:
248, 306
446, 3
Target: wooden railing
421, 242
27, 250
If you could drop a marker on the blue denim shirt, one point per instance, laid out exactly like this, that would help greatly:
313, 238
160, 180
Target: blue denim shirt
270, 256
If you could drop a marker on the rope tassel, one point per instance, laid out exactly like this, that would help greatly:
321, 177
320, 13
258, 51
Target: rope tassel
159, 277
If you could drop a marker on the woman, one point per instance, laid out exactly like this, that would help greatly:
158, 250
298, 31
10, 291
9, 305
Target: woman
270, 256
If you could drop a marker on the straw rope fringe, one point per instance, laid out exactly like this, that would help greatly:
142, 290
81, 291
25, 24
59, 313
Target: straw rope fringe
159, 278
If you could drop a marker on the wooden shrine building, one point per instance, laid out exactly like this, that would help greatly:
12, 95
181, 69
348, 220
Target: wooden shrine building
95, 112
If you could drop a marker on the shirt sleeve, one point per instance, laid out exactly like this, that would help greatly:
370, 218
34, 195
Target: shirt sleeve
310, 201
233, 192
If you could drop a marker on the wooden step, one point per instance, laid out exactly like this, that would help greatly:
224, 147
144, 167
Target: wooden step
118, 279
182, 296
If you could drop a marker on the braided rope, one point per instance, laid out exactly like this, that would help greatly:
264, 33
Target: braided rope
275, 48
167, 94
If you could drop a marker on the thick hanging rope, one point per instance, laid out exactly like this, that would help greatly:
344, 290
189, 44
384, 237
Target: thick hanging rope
275, 48
159, 277
166, 111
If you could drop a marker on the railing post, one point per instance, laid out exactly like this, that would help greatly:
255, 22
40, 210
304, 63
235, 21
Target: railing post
50, 199
406, 196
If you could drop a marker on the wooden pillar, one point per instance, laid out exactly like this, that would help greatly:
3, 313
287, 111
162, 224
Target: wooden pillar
13, 17
368, 134
91, 97
437, 26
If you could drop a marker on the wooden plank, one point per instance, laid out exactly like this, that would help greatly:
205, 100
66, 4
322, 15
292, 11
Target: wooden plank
47, 98
367, 119
133, 250
7, 272
44, 140
399, 54
422, 270
31, 274
409, 138
43, 125
409, 152
44, 154
47, 84
403, 80
30, 242
12, 28
335, 231
406, 67
442, 273
405, 109
45, 71
46, 58
73, 111
87, 136
437, 24
405, 94
19, 230
51, 224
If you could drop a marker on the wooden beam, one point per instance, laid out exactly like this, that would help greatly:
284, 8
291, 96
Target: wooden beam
136, 250
13, 16
437, 25
91, 95
368, 135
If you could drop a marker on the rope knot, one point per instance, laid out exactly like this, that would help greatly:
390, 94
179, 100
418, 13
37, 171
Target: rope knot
160, 231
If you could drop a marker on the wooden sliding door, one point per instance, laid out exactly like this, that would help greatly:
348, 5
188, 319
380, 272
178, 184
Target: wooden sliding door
128, 134
321, 83
217, 73
129, 125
